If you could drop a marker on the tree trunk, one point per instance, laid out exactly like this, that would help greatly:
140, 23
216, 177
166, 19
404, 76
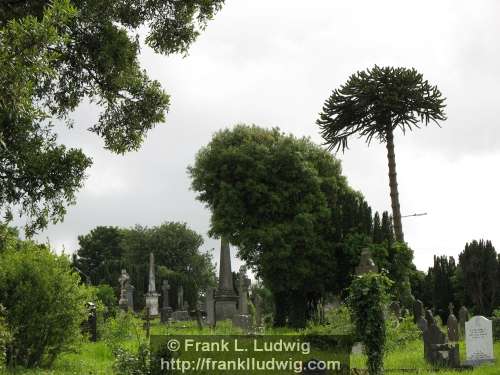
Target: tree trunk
393, 184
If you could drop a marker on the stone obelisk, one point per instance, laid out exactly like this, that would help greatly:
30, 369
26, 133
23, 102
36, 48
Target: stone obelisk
225, 296
152, 295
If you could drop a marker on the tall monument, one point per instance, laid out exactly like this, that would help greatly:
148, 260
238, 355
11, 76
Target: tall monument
225, 296
151, 295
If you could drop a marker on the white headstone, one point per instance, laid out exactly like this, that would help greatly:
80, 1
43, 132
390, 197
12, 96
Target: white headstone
479, 340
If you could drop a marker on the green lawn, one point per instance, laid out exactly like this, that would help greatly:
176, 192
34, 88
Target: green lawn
96, 358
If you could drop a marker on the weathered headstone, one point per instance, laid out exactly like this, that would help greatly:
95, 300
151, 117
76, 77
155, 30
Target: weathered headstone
181, 314
437, 350
422, 324
479, 340
152, 295
463, 316
225, 296
124, 280
166, 310
366, 263
210, 306
418, 310
452, 324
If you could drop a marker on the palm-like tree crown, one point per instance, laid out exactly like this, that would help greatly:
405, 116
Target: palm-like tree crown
376, 101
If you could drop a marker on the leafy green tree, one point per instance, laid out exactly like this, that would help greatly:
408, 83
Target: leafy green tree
478, 265
375, 102
285, 204
100, 255
45, 305
54, 55
441, 285
5, 338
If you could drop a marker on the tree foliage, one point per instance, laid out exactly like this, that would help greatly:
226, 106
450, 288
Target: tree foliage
478, 266
44, 302
54, 55
440, 284
285, 204
375, 102
106, 250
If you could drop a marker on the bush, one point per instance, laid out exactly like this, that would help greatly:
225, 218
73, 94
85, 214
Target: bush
44, 303
368, 296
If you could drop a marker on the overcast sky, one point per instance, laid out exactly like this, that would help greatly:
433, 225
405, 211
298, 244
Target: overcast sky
273, 63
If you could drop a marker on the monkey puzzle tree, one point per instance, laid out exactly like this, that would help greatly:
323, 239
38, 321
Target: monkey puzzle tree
375, 102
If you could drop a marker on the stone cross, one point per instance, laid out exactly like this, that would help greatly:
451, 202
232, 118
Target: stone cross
452, 324
366, 263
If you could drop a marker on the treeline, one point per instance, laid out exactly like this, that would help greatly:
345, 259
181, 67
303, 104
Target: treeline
473, 281
105, 251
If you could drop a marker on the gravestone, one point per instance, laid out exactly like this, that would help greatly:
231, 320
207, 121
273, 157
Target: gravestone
463, 316
210, 306
422, 324
452, 325
479, 340
181, 314
225, 296
166, 310
130, 297
437, 350
124, 281
243, 319
152, 295
418, 310
366, 263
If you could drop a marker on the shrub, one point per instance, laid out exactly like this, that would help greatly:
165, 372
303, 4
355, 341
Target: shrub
107, 296
368, 296
44, 303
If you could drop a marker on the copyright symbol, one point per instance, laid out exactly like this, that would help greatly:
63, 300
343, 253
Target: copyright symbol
173, 345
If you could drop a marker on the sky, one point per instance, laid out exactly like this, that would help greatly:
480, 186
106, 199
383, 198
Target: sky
273, 63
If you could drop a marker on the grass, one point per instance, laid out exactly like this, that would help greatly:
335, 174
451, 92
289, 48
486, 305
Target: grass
97, 359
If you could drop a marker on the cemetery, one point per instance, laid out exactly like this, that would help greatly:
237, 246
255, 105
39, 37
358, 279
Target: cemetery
281, 239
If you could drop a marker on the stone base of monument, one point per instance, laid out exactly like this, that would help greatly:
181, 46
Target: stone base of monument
180, 316
123, 305
444, 355
242, 321
165, 314
225, 309
477, 362
357, 348
152, 303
